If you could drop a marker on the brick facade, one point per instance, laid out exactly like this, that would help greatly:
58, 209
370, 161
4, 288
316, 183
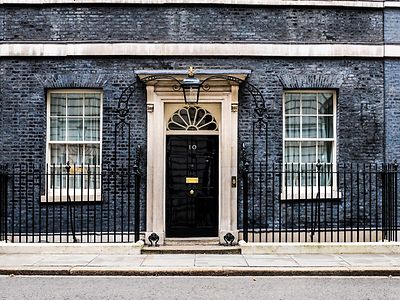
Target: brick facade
360, 139
166, 23
368, 89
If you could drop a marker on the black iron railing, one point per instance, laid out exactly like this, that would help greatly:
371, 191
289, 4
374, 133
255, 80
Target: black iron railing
319, 203
3, 202
70, 203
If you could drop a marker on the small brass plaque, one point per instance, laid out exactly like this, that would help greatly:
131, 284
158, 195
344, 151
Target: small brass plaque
192, 179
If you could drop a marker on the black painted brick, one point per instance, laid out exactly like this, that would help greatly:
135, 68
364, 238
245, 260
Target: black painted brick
24, 109
392, 25
192, 23
360, 139
392, 107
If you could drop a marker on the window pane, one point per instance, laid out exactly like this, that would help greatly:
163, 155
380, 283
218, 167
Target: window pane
325, 103
325, 127
58, 179
325, 176
57, 104
92, 104
75, 154
309, 104
57, 129
75, 129
92, 130
325, 152
292, 127
75, 104
57, 154
92, 155
92, 178
308, 176
292, 152
184, 115
292, 103
308, 152
291, 174
309, 127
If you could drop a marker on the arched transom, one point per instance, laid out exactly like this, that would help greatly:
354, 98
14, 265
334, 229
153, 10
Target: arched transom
192, 118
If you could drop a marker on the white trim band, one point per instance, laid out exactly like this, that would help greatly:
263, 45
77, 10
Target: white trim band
340, 3
392, 51
392, 4
193, 49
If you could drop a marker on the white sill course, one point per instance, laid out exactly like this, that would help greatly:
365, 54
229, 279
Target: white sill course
320, 248
71, 248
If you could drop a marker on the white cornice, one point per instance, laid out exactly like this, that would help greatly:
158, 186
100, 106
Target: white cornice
392, 4
339, 3
392, 51
189, 49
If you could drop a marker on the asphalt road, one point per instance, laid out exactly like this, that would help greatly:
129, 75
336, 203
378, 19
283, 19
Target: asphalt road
76, 287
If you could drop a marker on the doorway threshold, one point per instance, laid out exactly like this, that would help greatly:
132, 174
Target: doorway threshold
191, 246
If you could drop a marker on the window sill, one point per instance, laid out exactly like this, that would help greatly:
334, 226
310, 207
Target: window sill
74, 198
308, 195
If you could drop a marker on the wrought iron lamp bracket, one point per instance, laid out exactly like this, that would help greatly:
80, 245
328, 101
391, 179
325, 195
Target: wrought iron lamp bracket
138, 160
244, 158
255, 93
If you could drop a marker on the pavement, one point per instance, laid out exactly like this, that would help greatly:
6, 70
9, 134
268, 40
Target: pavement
202, 264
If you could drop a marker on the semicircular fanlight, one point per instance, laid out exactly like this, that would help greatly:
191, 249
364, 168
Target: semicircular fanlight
192, 118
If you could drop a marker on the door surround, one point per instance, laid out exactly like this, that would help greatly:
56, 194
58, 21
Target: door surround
222, 97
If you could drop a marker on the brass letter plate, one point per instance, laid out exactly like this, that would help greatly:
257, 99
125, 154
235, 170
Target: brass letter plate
192, 179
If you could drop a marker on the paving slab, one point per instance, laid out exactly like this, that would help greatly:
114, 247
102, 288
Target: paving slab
65, 260
19, 259
215, 260
270, 261
371, 260
319, 260
117, 261
394, 258
169, 260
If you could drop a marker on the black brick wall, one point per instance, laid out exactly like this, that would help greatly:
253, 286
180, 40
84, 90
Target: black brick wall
1, 108
360, 138
392, 87
1, 23
392, 25
192, 23
24, 105
359, 83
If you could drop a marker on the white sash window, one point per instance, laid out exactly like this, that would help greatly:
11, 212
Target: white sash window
74, 121
309, 136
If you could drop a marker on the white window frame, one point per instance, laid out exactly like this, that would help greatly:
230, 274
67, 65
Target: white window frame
77, 194
290, 192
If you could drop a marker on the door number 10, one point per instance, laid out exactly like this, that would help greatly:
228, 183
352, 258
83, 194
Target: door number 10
192, 147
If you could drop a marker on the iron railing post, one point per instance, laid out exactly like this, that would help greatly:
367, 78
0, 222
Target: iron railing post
72, 217
245, 178
246, 203
384, 201
3, 203
136, 171
395, 204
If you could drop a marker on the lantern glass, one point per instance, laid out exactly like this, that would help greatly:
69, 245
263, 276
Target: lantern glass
191, 90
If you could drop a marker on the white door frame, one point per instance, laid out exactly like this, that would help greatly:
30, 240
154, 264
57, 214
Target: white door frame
220, 98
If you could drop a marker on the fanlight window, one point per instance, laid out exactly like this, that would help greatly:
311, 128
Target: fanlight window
192, 118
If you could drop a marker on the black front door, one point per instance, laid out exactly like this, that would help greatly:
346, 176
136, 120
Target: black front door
192, 186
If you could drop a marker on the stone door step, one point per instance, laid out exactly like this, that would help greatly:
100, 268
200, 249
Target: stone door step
191, 241
191, 249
